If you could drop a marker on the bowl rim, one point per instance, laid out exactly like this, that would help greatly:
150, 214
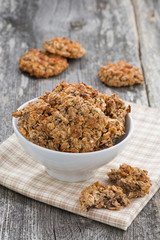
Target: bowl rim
67, 153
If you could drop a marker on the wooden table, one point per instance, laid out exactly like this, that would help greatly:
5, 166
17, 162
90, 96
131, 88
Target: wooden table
110, 31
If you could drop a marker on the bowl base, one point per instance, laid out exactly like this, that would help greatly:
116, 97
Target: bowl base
66, 176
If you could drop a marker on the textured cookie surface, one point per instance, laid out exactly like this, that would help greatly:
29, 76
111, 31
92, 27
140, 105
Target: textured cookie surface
64, 47
134, 181
99, 196
73, 118
42, 64
120, 74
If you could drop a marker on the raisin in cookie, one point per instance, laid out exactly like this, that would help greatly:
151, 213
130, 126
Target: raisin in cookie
42, 64
120, 74
64, 47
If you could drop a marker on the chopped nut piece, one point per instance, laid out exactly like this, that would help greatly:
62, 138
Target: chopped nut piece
73, 118
99, 196
64, 47
134, 181
120, 74
42, 64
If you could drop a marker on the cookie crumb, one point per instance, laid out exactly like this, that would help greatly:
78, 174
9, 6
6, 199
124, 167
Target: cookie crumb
152, 16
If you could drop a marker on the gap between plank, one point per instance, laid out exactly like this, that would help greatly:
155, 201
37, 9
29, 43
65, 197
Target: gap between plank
139, 48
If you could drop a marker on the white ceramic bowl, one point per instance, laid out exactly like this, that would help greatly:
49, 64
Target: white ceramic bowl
73, 167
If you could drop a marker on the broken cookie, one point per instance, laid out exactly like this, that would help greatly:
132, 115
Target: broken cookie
42, 64
134, 181
99, 196
64, 47
120, 74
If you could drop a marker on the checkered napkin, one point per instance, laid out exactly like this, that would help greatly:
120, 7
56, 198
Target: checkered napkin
19, 172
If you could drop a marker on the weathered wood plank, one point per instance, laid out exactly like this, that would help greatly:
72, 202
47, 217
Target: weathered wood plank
24, 218
107, 31
148, 20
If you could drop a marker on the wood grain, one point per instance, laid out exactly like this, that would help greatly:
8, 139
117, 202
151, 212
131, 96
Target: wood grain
148, 25
108, 30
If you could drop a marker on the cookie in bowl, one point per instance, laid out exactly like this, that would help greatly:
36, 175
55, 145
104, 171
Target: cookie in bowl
73, 118
73, 130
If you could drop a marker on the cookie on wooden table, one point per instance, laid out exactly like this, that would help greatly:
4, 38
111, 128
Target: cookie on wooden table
64, 47
120, 74
42, 64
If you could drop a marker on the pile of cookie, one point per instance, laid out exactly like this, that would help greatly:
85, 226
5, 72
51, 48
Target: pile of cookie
53, 61
130, 183
73, 118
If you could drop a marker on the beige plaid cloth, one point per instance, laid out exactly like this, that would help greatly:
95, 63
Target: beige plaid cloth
19, 172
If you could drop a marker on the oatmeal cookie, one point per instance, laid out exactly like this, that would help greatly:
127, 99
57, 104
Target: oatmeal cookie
99, 196
134, 181
120, 74
42, 64
72, 118
116, 109
64, 47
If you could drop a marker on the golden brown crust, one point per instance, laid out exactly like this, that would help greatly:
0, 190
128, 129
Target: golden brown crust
42, 64
134, 181
73, 118
120, 74
64, 47
99, 196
